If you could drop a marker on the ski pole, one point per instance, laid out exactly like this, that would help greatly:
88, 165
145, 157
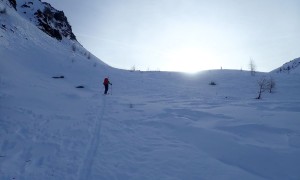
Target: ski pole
111, 89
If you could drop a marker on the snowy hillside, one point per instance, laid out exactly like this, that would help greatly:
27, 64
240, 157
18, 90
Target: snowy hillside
153, 125
289, 67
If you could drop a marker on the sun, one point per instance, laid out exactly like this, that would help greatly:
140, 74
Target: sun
190, 60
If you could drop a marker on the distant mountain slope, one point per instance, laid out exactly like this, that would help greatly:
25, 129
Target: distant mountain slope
289, 67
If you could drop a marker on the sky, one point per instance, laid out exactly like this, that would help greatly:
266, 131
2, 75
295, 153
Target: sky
187, 35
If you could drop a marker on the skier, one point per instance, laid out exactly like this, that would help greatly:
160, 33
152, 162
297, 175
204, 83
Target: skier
106, 83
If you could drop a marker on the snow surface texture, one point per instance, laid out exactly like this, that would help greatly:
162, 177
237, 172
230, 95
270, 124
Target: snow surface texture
153, 125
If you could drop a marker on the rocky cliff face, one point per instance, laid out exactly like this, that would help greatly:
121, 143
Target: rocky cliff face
45, 17
13, 3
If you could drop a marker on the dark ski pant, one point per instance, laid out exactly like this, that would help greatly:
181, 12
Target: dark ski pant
106, 88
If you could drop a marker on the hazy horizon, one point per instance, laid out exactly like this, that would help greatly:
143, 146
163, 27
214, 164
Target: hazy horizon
188, 35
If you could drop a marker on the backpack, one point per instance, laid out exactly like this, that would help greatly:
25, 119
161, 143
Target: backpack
105, 81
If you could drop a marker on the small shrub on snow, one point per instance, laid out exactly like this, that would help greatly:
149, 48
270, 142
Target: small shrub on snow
3, 26
262, 86
265, 84
252, 67
3, 10
271, 84
212, 83
58, 77
132, 68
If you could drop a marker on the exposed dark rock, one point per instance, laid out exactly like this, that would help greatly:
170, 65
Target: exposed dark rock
48, 19
13, 4
2, 10
49, 30
58, 77
3, 26
212, 83
60, 16
25, 6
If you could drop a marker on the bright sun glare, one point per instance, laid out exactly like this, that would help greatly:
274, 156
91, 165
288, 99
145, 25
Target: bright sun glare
190, 60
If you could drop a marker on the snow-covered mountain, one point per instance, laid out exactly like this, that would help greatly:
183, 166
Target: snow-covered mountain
289, 67
153, 125
46, 18
25, 19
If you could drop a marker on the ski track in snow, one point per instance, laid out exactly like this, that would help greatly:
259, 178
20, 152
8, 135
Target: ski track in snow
88, 162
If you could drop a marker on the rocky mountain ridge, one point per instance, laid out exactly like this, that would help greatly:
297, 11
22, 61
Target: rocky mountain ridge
48, 19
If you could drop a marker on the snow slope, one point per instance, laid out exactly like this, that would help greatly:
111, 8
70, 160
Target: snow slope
154, 125
289, 67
